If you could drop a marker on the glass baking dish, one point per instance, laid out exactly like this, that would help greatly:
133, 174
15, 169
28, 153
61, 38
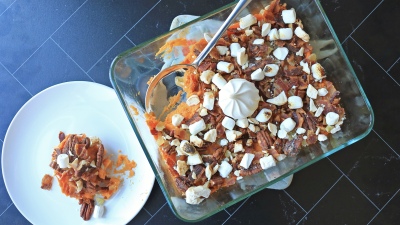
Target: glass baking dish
131, 70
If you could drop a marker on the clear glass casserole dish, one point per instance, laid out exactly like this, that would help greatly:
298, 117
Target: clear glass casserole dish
132, 69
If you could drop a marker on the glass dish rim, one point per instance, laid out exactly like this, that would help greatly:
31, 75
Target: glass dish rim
312, 161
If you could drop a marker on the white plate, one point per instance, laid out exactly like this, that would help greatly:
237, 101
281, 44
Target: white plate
73, 107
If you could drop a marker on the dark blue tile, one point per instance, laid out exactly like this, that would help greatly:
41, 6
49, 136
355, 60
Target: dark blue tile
268, 207
151, 26
12, 97
395, 71
13, 217
390, 214
97, 26
141, 218
378, 33
100, 72
372, 166
49, 65
155, 200
27, 24
5, 200
343, 204
232, 209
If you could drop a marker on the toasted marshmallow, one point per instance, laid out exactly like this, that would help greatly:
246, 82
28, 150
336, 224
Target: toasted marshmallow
295, 102
258, 41
243, 123
332, 118
211, 171
282, 134
317, 71
195, 195
273, 34
98, 211
79, 186
289, 16
203, 112
234, 47
62, 161
302, 34
211, 135
242, 57
175, 142
313, 108
219, 80
322, 92
228, 123
271, 70
285, 33
264, 115
181, 167
322, 137
300, 52
319, 111
265, 29
257, 75
196, 141
225, 66
206, 76
232, 135
247, 21
267, 162
288, 124
278, 100
224, 169
193, 100
248, 32
305, 66
177, 120
312, 92
238, 146
280, 53
272, 128
208, 100
160, 126
207, 37
222, 50
300, 130
246, 160
194, 159
252, 127
196, 127
249, 142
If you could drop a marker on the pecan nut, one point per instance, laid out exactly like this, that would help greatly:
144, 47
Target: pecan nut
100, 154
87, 209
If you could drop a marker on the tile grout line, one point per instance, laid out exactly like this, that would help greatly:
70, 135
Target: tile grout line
374, 60
362, 22
147, 211
16, 79
323, 196
8, 7
240, 206
71, 58
386, 143
129, 40
295, 200
155, 213
121, 38
50, 36
6, 209
383, 206
397, 61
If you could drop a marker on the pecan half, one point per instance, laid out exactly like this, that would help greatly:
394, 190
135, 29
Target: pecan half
100, 154
87, 209
61, 136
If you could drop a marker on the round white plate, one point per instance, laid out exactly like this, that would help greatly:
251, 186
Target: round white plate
72, 107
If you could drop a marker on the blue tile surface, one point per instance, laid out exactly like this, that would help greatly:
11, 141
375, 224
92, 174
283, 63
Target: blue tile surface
13, 217
5, 200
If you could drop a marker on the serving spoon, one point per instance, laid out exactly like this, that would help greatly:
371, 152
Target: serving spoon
195, 64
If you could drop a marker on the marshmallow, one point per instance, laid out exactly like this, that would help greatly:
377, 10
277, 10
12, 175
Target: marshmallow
302, 34
322, 92
272, 128
187, 148
285, 33
288, 124
257, 75
253, 120
211, 135
242, 57
196, 127
289, 16
224, 169
278, 100
225, 66
246, 160
267, 162
228, 123
317, 71
252, 127
281, 157
196, 141
258, 41
319, 111
206, 76
219, 80
222, 50
271, 70
160, 126
234, 47
243, 123
211, 171
295, 102
280, 53
79, 186
193, 100
195, 195
181, 167
264, 115
300, 130
322, 137
98, 211
177, 120
332, 118
223, 142
305, 66
273, 35
312, 92
194, 159
203, 112
313, 108
232, 135
248, 32
249, 142
207, 37
208, 100
300, 52
282, 134
265, 29
238, 147
175, 142
62, 161
247, 21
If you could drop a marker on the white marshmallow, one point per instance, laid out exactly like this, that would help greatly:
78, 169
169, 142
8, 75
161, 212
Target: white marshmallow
181, 167
223, 142
249, 142
238, 147
177, 120
225, 66
300, 130
281, 157
317, 71
322, 92
247, 21
160, 126
257, 75
332, 118
278, 100
322, 137
206, 76
253, 120
207, 37
285, 33
196, 127
295, 102
265, 29
305, 66
219, 80
312, 92
193, 100
208, 100
98, 211
222, 50
313, 108
300, 52
228, 123
203, 112
267, 162
289, 16
211, 171
264, 115
195, 195
252, 127
317, 131
335, 129
272, 128
234, 47
299, 32
271, 70
211, 135
280, 53
224, 169
258, 41
273, 34
62, 161
246, 160
232, 135
243, 123
242, 57
194, 159
282, 134
175, 142
248, 32
319, 111
288, 125
196, 141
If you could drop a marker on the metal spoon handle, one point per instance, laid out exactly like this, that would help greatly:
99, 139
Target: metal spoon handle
238, 8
